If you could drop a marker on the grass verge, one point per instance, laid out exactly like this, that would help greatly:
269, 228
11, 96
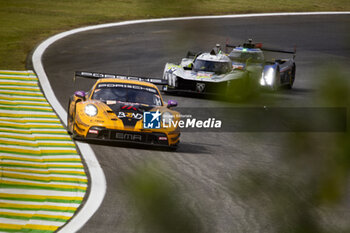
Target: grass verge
24, 23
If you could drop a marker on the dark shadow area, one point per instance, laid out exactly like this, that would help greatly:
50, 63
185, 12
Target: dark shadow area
183, 147
263, 97
301, 90
194, 148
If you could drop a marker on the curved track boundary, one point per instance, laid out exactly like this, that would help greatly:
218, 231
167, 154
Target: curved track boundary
98, 182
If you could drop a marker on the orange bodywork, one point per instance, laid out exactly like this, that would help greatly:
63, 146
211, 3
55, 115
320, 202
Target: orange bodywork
106, 124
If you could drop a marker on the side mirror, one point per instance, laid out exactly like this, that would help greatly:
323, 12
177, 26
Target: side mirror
189, 67
80, 94
172, 103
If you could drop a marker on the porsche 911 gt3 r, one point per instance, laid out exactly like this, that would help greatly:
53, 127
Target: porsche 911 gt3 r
114, 110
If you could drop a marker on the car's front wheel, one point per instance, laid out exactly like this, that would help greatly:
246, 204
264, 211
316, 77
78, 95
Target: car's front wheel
174, 147
69, 118
276, 81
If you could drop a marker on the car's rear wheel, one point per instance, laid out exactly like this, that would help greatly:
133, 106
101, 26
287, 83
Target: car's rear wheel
291, 78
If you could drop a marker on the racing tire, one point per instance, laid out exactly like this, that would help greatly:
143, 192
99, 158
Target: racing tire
292, 78
173, 92
75, 136
173, 147
165, 90
68, 118
70, 128
277, 81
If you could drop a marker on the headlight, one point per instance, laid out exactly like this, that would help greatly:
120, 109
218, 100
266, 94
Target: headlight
262, 80
90, 110
167, 117
267, 77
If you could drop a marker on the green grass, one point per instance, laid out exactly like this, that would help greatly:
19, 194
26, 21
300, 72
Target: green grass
24, 23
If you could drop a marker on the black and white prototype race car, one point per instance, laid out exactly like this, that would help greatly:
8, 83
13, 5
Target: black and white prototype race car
239, 72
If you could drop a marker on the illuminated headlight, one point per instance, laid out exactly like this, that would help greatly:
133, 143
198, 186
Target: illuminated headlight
267, 77
167, 117
90, 110
262, 80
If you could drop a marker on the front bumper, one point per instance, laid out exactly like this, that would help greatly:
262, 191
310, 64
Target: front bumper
195, 86
152, 138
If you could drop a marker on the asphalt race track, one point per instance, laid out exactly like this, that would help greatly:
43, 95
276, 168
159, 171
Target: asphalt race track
203, 161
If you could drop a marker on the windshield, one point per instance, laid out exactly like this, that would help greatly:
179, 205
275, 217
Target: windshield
120, 92
212, 66
243, 56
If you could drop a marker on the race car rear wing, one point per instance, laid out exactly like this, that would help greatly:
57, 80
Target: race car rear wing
96, 75
279, 50
259, 45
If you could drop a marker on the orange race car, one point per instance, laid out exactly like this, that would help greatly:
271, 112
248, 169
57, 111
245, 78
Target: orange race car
122, 108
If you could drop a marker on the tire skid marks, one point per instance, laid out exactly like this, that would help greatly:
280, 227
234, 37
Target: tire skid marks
42, 178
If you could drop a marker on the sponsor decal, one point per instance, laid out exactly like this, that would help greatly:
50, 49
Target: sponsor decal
93, 131
204, 75
123, 85
162, 138
237, 66
151, 120
117, 76
128, 136
110, 102
173, 69
200, 87
157, 100
137, 116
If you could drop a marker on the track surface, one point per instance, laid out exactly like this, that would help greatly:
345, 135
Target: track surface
203, 162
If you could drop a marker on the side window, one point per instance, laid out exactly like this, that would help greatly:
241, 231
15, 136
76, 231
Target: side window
88, 94
156, 100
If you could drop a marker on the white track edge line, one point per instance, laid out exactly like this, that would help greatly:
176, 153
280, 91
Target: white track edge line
98, 181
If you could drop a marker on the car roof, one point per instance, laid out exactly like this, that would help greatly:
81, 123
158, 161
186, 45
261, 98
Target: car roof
210, 57
128, 81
